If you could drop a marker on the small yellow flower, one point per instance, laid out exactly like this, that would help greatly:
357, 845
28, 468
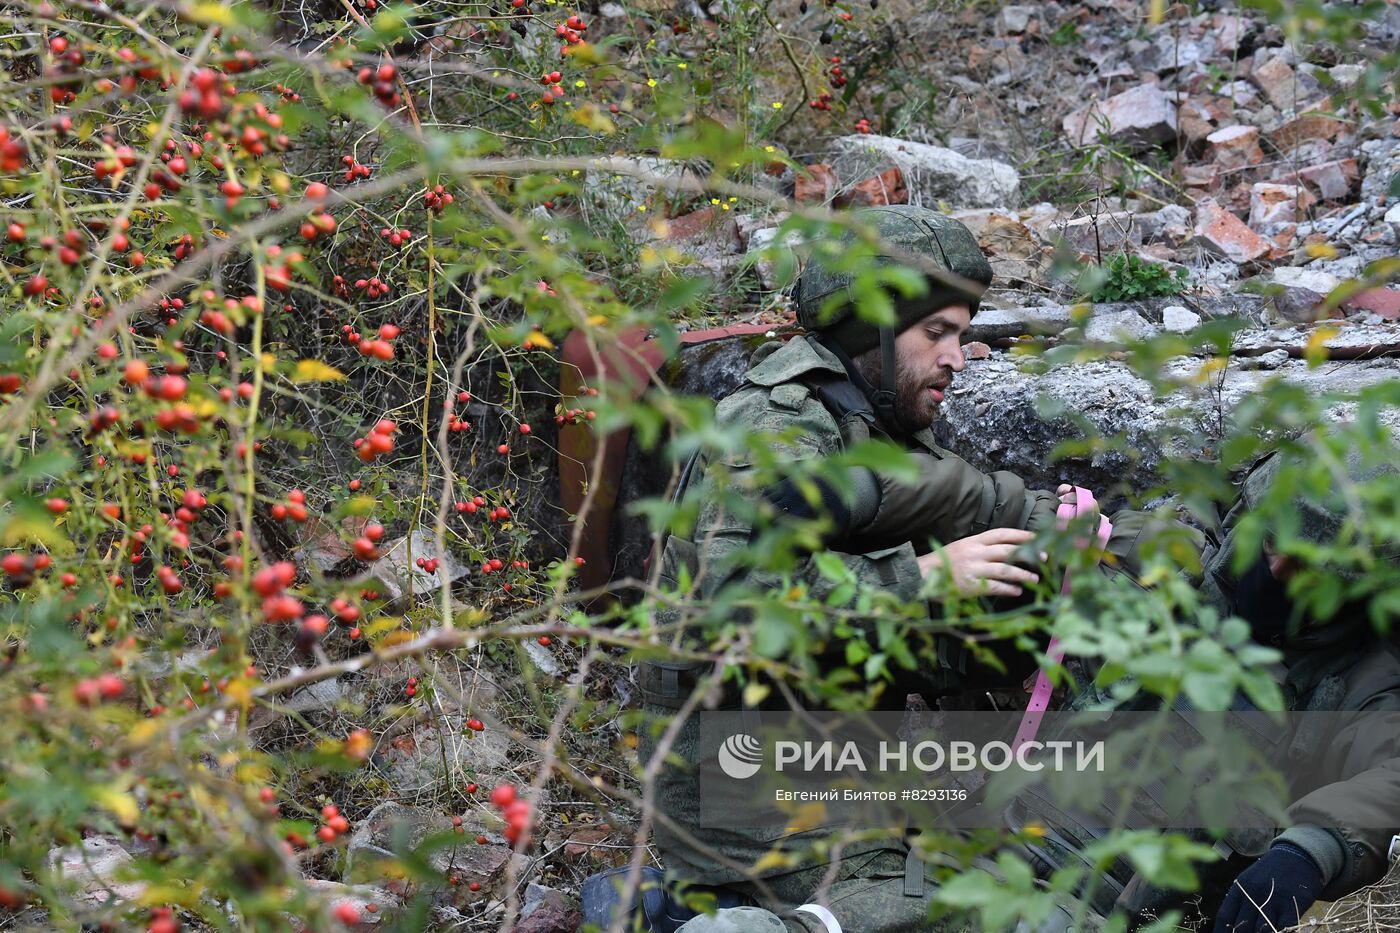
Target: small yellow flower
641, 208
580, 83
770, 149
732, 200
681, 65
651, 82
724, 207
777, 105
714, 200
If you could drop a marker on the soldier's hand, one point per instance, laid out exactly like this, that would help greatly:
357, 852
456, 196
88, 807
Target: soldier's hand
1066, 493
1272, 894
981, 565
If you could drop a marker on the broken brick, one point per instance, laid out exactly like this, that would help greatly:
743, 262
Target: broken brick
1222, 232
1332, 181
1271, 204
816, 185
1382, 301
1235, 147
884, 188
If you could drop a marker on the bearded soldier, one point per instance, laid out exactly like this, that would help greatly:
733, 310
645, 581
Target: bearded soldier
841, 383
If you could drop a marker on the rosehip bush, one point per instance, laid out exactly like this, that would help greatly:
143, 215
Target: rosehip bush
279, 403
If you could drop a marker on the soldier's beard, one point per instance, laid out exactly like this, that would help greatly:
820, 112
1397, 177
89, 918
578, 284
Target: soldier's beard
913, 403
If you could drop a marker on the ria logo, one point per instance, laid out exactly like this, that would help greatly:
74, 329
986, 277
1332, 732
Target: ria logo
740, 756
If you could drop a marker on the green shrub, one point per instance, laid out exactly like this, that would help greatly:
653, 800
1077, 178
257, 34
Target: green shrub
1128, 277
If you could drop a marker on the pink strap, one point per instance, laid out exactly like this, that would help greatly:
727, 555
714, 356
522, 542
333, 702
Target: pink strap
1040, 695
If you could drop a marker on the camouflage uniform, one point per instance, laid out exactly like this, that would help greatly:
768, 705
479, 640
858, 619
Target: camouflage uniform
880, 887
1341, 665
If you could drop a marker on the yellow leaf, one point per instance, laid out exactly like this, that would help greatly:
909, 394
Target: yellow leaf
1155, 11
540, 340
396, 638
596, 320
1321, 251
808, 816
388, 623
594, 119
121, 803
773, 858
1316, 350
143, 731
360, 506
316, 371
756, 693
19, 531
212, 14
240, 691
1210, 367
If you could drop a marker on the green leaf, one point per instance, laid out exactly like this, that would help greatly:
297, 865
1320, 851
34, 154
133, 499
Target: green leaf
683, 293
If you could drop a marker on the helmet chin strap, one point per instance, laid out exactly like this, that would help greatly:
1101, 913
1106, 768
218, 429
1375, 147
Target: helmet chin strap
883, 399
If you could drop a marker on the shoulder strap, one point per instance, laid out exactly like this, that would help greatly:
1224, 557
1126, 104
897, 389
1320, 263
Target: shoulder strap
846, 403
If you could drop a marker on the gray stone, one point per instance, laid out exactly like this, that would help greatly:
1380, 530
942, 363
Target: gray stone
546, 910
374, 904
931, 173
1291, 305
624, 192
397, 569
612, 11
1392, 217
1000, 323
392, 830
1014, 18
1171, 218
1138, 118
1096, 234
542, 658
1346, 76
1170, 52
323, 546
97, 867
1007, 418
1304, 277
1273, 359
1241, 93
1354, 338
765, 238
316, 697
1117, 327
1179, 320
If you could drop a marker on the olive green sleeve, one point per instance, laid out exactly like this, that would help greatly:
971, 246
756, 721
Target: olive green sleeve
729, 550
951, 499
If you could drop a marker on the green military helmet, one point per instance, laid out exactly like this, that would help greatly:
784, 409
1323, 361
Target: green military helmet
917, 230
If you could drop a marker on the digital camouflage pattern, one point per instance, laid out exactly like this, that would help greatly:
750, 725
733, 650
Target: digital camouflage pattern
923, 232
